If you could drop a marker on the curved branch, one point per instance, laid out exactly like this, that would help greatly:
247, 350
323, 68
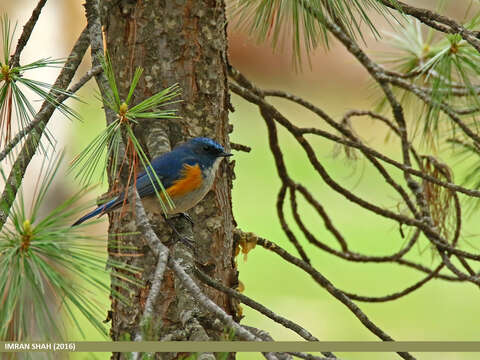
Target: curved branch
321, 211
286, 229
429, 277
325, 283
256, 306
399, 294
363, 148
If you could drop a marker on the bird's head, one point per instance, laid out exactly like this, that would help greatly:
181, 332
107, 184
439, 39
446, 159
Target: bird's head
207, 148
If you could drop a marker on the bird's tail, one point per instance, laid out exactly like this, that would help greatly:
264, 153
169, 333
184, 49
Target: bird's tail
99, 211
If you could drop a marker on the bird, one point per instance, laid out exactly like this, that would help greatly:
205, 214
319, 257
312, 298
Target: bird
187, 174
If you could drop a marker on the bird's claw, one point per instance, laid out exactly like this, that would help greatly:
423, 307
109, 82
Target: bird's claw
183, 239
186, 217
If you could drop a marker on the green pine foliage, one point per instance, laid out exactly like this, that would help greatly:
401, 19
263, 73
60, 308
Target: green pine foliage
106, 145
14, 80
447, 68
303, 22
45, 265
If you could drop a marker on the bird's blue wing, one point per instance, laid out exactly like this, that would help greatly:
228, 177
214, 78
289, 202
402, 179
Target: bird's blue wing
168, 168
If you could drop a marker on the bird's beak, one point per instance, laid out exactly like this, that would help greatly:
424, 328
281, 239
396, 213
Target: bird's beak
224, 154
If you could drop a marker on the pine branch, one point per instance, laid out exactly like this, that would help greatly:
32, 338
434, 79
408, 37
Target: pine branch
436, 21
424, 96
28, 150
38, 119
27, 31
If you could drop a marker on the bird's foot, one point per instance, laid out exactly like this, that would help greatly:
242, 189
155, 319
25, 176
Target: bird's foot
183, 239
186, 217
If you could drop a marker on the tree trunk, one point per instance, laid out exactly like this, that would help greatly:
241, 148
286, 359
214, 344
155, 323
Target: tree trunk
180, 42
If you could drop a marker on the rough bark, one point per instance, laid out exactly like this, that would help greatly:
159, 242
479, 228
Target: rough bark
180, 42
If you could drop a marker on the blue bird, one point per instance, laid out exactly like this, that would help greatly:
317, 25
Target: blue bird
187, 174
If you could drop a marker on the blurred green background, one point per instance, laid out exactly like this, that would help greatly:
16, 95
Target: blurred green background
336, 83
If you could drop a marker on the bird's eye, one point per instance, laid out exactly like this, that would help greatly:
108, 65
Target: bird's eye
206, 148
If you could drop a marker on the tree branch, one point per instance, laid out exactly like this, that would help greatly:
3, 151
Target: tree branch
37, 120
213, 308
322, 281
27, 31
438, 22
28, 150
256, 306
160, 251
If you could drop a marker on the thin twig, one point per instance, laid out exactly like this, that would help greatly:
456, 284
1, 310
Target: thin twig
320, 210
213, 308
256, 306
436, 21
324, 282
27, 31
240, 147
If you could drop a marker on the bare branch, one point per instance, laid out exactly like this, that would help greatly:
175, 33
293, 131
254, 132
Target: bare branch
320, 210
256, 306
27, 31
213, 308
160, 251
322, 281
240, 147
399, 294
309, 356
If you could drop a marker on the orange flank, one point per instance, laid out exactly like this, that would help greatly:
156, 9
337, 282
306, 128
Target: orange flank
191, 180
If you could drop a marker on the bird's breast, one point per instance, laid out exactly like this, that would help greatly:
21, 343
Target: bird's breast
193, 188
191, 179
